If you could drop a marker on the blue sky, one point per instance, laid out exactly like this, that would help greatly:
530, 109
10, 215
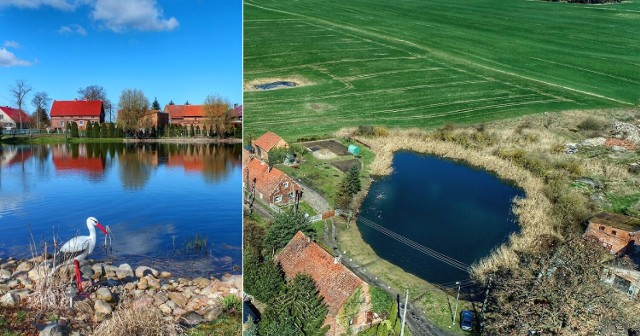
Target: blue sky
173, 50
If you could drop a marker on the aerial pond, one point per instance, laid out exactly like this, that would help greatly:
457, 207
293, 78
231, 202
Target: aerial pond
447, 207
173, 206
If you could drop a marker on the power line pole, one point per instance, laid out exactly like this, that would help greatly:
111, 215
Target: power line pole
455, 311
404, 313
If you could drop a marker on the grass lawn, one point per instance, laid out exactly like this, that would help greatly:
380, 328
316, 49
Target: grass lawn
424, 64
321, 176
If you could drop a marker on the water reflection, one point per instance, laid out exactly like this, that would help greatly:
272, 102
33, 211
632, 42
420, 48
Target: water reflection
152, 196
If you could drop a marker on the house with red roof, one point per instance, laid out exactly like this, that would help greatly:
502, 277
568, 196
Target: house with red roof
186, 115
81, 112
335, 282
271, 185
266, 143
11, 118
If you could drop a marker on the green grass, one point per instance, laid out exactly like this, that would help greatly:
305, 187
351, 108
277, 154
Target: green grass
624, 204
225, 325
427, 63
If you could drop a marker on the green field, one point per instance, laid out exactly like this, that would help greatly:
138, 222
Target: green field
426, 63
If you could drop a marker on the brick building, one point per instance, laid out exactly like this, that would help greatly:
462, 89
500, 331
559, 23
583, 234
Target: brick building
335, 282
81, 112
271, 185
266, 143
617, 233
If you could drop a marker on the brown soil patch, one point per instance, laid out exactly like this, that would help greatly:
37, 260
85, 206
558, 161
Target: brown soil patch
335, 147
344, 166
298, 80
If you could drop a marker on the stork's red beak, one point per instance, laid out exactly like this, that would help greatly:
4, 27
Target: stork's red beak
101, 228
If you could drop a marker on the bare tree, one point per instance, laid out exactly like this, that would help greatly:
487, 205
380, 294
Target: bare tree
96, 92
132, 107
40, 101
19, 92
216, 113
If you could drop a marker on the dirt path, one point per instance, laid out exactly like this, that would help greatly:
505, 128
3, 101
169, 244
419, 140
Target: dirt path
315, 200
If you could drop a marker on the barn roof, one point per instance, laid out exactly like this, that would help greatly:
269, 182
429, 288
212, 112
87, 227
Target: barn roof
267, 178
335, 282
267, 141
14, 114
77, 108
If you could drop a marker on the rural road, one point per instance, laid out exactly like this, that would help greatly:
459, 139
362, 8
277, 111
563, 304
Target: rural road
417, 322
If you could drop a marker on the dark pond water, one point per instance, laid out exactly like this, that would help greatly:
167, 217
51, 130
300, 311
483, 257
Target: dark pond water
459, 211
275, 85
162, 202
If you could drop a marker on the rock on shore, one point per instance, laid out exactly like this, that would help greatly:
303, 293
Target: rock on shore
108, 287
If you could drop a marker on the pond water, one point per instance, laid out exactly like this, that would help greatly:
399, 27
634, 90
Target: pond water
275, 85
454, 209
163, 202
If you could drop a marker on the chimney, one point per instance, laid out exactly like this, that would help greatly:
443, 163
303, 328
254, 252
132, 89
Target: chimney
270, 167
336, 260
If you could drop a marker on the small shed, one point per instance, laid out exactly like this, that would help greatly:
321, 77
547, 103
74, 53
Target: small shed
353, 149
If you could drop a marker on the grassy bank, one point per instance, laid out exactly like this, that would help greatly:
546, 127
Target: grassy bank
530, 152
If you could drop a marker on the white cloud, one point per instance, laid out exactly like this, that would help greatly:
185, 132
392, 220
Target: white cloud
73, 29
143, 15
11, 44
8, 59
35, 4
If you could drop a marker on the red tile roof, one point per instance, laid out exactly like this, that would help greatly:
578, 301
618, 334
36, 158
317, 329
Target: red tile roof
267, 141
175, 111
193, 111
335, 282
77, 108
14, 114
267, 180
84, 164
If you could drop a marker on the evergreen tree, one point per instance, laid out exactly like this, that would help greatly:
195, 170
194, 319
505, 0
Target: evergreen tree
112, 130
343, 197
298, 310
155, 105
104, 131
198, 130
171, 102
96, 131
119, 132
353, 178
284, 227
74, 129
192, 132
88, 130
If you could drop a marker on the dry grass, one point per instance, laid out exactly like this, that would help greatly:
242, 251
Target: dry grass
534, 211
137, 322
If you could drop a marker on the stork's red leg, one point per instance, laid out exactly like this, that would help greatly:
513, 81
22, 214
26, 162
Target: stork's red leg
78, 276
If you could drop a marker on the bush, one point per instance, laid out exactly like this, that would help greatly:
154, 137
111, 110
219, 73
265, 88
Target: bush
591, 124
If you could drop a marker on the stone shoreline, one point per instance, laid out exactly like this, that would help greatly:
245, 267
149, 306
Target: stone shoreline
188, 302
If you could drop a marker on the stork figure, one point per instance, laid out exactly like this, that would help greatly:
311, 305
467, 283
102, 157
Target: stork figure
78, 248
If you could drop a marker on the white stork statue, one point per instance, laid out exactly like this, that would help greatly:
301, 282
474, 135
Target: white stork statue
78, 248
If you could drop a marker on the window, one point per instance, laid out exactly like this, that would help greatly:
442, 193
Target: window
613, 232
81, 122
62, 123
278, 199
601, 228
1, 116
285, 185
291, 194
